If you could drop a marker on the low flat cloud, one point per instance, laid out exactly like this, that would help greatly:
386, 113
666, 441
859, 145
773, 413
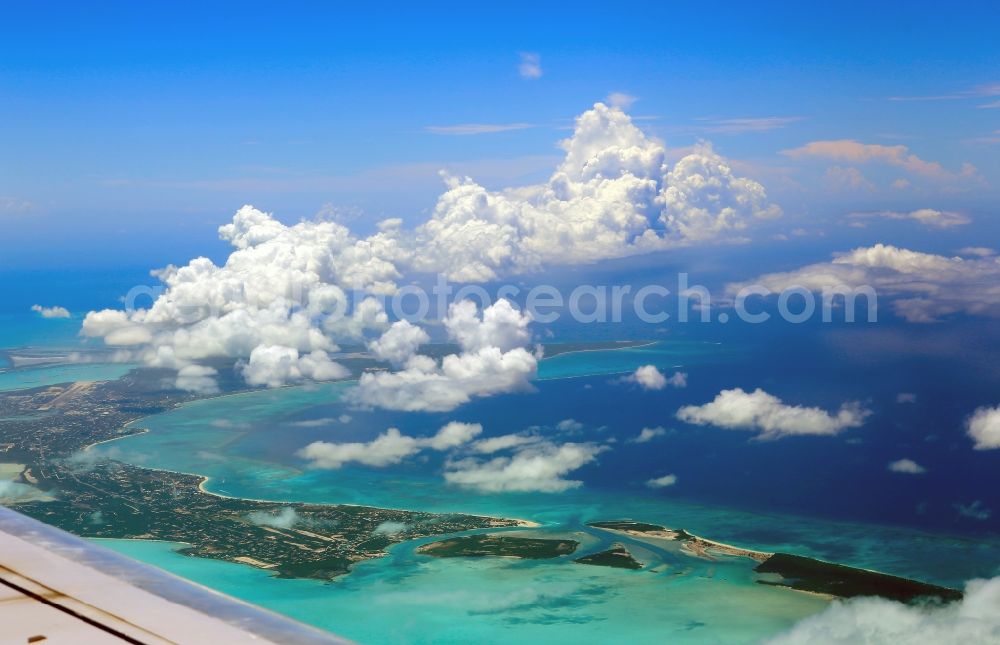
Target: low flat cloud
924, 287
648, 434
476, 128
740, 125
898, 156
928, 217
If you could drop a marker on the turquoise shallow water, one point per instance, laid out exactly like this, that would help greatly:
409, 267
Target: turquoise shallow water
23, 378
51, 335
665, 355
246, 444
408, 598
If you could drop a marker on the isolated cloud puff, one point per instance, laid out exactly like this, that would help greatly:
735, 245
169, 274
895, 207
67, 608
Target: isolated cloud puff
648, 434
285, 518
569, 425
540, 467
974, 619
530, 66
390, 447
925, 287
14, 492
662, 482
907, 467
648, 377
489, 363
770, 417
983, 427
390, 528
51, 312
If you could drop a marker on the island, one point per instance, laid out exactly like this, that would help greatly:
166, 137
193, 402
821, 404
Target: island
617, 557
793, 571
493, 545
45, 434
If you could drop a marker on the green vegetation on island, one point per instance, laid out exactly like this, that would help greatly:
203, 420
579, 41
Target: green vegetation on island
44, 434
499, 546
627, 525
796, 572
617, 557
809, 574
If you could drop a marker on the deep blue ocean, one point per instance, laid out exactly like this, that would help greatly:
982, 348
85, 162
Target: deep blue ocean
830, 497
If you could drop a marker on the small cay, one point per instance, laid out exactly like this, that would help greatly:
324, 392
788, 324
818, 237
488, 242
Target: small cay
499, 546
792, 571
617, 557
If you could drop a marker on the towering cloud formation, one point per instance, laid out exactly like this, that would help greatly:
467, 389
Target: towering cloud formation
769, 416
279, 303
612, 196
925, 286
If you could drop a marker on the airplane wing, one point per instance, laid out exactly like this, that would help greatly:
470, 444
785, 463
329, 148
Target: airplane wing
57, 589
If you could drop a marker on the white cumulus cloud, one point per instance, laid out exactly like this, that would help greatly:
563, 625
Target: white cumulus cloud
285, 518
648, 434
285, 286
51, 312
877, 621
390, 447
538, 467
399, 342
198, 379
612, 196
650, 378
907, 467
277, 365
489, 363
771, 418
983, 427
662, 482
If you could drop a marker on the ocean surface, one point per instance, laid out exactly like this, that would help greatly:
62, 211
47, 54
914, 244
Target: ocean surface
247, 442
827, 497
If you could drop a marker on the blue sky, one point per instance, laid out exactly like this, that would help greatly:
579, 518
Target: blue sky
131, 132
